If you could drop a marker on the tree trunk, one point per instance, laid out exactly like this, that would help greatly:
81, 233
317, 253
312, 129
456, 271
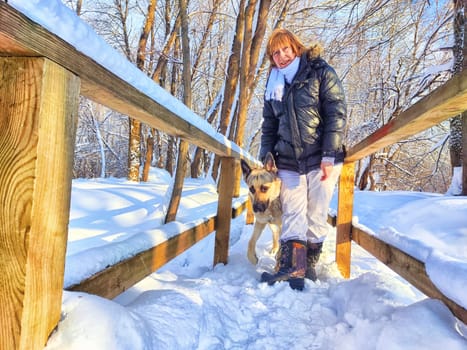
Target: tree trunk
464, 164
456, 135
197, 158
464, 115
169, 44
135, 125
455, 144
158, 143
147, 163
79, 5
148, 156
183, 147
171, 151
96, 117
248, 69
134, 150
231, 81
250, 54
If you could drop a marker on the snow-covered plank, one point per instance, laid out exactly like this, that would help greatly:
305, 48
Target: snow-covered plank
117, 278
107, 77
407, 267
446, 101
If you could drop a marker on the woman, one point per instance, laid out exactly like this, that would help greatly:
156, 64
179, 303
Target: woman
303, 127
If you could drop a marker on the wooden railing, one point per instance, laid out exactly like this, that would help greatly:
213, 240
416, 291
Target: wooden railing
447, 101
117, 278
41, 79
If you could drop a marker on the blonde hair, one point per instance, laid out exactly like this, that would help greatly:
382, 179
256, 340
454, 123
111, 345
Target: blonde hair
280, 38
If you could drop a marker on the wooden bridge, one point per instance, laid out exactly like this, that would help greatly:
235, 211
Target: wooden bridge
41, 79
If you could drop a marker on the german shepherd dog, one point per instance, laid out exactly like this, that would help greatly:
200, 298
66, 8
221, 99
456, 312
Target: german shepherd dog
264, 189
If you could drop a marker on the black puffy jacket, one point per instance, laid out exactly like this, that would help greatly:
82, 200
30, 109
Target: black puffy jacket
309, 122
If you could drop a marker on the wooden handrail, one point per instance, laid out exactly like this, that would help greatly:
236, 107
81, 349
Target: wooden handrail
406, 266
446, 101
20, 36
117, 278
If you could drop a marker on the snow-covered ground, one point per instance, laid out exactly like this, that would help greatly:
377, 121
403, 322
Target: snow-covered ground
189, 304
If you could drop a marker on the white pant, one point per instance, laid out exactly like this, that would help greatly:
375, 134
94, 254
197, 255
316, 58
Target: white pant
305, 202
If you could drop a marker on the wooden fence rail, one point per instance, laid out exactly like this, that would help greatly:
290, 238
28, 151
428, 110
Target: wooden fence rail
117, 278
41, 79
446, 101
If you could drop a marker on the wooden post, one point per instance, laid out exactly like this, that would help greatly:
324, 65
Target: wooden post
224, 210
344, 218
38, 110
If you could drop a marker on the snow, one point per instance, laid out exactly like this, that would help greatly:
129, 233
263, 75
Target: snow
429, 227
189, 304
456, 184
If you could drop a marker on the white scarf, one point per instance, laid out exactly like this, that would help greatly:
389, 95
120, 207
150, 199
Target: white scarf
278, 77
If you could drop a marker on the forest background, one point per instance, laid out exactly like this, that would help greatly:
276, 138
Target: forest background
211, 55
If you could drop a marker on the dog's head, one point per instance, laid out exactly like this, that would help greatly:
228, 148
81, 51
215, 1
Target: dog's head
263, 183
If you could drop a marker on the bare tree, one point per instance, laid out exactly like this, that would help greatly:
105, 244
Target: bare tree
134, 159
100, 149
231, 81
395, 78
464, 117
250, 54
401, 48
242, 70
183, 145
455, 144
456, 123
197, 158
75, 5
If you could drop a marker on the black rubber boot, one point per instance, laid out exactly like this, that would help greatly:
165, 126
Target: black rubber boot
312, 257
292, 265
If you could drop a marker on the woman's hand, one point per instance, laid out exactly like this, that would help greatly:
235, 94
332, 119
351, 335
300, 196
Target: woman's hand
326, 169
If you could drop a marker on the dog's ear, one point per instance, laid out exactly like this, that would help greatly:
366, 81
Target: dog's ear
245, 168
269, 163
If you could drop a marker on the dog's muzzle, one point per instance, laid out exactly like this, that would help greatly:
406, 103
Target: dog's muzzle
260, 207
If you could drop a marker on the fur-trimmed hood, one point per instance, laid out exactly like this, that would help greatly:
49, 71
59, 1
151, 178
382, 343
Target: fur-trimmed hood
314, 51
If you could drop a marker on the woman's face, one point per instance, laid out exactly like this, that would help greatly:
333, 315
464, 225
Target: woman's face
283, 56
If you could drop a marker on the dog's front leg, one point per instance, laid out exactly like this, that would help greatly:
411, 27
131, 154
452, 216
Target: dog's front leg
258, 228
276, 231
